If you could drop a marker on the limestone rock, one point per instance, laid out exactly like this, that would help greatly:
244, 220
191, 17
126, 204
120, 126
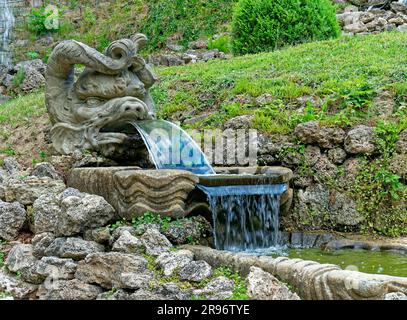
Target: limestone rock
116, 295
41, 242
357, 27
17, 288
134, 281
401, 145
74, 248
107, 269
360, 140
32, 80
56, 268
155, 243
322, 201
47, 213
26, 191
325, 170
70, 213
325, 137
146, 295
21, 260
11, 166
183, 231
399, 7
12, 218
84, 212
262, 285
195, 271
35, 64
45, 169
337, 155
173, 261
128, 243
69, 290
240, 122
117, 233
171, 291
100, 235
220, 288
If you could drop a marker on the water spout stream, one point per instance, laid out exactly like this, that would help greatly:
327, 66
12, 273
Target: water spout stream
171, 147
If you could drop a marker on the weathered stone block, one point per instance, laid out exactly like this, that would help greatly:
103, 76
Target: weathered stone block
132, 191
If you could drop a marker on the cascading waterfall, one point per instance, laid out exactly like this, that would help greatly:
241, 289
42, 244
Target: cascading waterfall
6, 26
245, 217
171, 147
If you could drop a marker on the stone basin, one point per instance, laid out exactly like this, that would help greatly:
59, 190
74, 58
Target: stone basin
246, 176
132, 191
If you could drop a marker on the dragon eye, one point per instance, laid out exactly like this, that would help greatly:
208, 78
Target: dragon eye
93, 101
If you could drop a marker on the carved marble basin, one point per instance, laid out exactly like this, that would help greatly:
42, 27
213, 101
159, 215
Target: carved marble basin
246, 176
132, 191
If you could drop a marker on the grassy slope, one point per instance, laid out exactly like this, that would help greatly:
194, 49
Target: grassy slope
346, 74
182, 21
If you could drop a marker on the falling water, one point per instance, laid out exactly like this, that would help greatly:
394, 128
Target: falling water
6, 26
245, 217
171, 147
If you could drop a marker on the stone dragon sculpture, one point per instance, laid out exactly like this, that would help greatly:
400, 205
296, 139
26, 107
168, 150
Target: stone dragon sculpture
92, 112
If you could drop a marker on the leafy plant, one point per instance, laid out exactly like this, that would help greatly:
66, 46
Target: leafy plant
264, 25
149, 218
240, 288
221, 43
32, 55
19, 78
37, 20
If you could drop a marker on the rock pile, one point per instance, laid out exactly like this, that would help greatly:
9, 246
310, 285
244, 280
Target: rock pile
59, 243
353, 21
24, 77
329, 153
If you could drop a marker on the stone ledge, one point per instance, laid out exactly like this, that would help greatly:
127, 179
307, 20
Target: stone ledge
132, 191
312, 280
246, 176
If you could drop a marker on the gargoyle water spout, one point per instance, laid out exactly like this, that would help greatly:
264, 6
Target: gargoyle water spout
92, 112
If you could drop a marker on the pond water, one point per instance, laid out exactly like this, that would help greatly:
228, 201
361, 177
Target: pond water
376, 262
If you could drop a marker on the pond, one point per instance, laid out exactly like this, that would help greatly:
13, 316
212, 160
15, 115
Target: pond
375, 262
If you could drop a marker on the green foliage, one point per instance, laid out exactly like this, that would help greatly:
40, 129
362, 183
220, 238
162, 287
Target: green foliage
149, 218
184, 20
264, 25
37, 20
387, 134
2, 259
117, 224
221, 43
8, 151
240, 288
18, 78
32, 55
380, 197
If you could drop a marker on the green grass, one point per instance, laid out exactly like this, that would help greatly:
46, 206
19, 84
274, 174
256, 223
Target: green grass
22, 109
181, 21
345, 74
